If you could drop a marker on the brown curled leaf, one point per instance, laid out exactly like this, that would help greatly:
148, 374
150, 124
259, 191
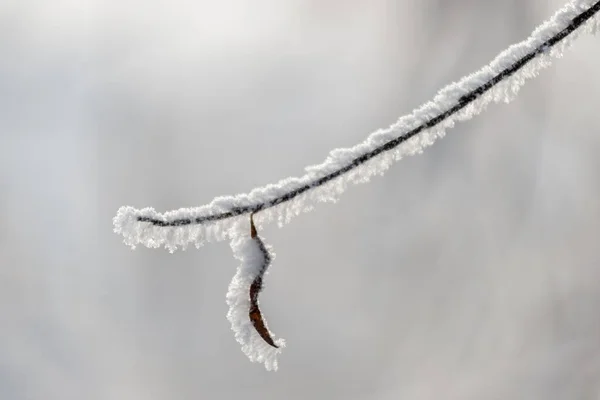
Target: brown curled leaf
255, 288
253, 233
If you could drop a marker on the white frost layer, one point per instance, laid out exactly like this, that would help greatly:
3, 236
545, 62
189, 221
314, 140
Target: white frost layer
135, 232
248, 252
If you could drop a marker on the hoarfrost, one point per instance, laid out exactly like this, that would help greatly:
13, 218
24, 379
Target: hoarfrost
252, 259
499, 81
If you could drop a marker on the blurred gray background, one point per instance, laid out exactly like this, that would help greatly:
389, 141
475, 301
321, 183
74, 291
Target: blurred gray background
469, 272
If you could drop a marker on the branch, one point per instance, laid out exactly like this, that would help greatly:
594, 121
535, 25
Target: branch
499, 81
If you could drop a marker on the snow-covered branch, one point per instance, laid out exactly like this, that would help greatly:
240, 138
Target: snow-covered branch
226, 217
500, 80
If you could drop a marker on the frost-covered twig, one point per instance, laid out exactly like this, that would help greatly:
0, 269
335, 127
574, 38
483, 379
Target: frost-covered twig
498, 81
225, 217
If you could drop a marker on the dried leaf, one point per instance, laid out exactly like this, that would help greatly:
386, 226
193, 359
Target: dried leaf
256, 287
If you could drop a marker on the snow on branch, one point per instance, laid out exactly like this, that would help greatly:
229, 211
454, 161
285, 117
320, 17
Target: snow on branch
226, 217
500, 80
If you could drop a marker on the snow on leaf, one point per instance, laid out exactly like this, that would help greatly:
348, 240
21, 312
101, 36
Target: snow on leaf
244, 314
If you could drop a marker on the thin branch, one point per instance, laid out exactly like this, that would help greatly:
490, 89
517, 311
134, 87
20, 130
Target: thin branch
500, 80
463, 102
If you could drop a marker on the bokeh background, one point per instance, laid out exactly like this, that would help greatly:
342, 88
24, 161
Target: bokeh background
469, 272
